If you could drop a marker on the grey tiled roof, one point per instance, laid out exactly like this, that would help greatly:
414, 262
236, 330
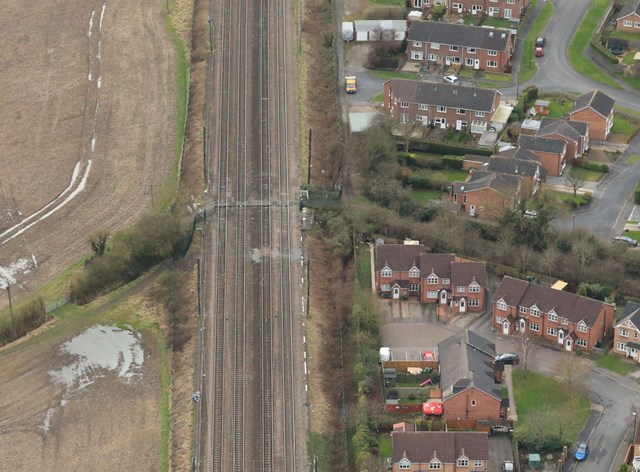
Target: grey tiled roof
632, 6
631, 313
511, 165
446, 446
518, 153
537, 143
476, 158
516, 292
598, 101
454, 96
399, 257
466, 361
459, 35
506, 184
572, 130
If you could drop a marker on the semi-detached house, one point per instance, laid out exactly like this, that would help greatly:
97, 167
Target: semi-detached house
441, 105
480, 48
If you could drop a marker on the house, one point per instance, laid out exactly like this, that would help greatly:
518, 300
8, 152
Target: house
380, 30
474, 161
486, 194
626, 333
551, 153
574, 133
596, 109
509, 9
403, 271
529, 169
447, 451
573, 321
440, 105
629, 17
481, 48
632, 459
469, 392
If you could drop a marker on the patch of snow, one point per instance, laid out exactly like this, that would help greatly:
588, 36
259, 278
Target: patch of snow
7, 274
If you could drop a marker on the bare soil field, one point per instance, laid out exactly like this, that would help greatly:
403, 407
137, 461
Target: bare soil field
89, 402
88, 97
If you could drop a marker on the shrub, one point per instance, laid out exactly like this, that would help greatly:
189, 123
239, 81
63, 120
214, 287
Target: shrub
420, 181
452, 162
636, 195
22, 321
443, 148
596, 166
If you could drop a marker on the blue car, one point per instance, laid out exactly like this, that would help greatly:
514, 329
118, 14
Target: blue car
582, 452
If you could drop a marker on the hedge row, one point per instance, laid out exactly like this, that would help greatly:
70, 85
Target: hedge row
444, 148
603, 52
636, 194
595, 166
22, 321
431, 162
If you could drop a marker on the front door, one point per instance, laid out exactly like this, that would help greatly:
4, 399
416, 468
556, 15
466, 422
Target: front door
472, 210
476, 65
568, 345
560, 336
633, 353
417, 3
505, 327
443, 297
523, 325
396, 293
463, 305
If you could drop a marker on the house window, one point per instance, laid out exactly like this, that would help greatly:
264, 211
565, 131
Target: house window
440, 122
492, 52
416, 55
624, 332
480, 114
622, 347
414, 287
499, 319
414, 272
403, 104
534, 327
474, 288
432, 279
432, 294
494, 11
564, 321
552, 317
435, 45
635, 335
404, 118
469, 61
637, 24
417, 44
474, 302
471, 50
404, 464
462, 461
420, 118
461, 111
435, 464
473, 403
628, 23
433, 57
535, 312
552, 332
478, 464
502, 305
581, 342
453, 48
493, 64
442, 109
476, 7
423, 106
446, 281
511, 1
460, 289
386, 272
582, 327
385, 287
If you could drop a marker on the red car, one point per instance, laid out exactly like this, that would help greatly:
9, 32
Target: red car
432, 408
539, 51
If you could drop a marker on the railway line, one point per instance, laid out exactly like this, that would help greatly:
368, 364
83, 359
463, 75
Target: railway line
251, 363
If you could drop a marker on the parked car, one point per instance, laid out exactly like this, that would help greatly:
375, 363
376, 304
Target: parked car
539, 51
540, 42
530, 214
350, 84
582, 452
508, 358
626, 239
450, 79
507, 466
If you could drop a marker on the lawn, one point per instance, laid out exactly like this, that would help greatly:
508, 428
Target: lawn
623, 35
628, 58
444, 175
528, 66
623, 125
391, 74
378, 98
566, 199
550, 405
424, 196
496, 77
585, 174
385, 444
633, 158
580, 41
614, 363
558, 106
364, 267
632, 234
489, 21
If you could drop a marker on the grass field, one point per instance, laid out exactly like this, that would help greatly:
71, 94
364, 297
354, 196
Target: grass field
586, 174
390, 74
614, 363
580, 41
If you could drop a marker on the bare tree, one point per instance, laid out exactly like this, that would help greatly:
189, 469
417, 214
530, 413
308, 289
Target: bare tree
526, 346
549, 260
98, 243
575, 181
524, 255
406, 130
584, 250
572, 369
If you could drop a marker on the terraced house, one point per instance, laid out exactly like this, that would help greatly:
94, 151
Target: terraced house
441, 105
480, 48
573, 321
405, 271
626, 334
509, 9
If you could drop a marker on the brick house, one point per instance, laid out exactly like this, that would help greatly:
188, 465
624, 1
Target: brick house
568, 319
574, 133
529, 169
509, 9
629, 17
486, 194
626, 333
550, 152
480, 48
469, 392
440, 105
403, 271
446, 451
594, 108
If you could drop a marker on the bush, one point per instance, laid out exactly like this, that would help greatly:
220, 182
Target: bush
603, 52
636, 195
443, 148
596, 166
24, 320
452, 162
420, 182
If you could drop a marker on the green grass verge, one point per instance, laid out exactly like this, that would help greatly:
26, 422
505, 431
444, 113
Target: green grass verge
580, 41
622, 125
364, 267
615, 364
424, 196
319, 451
628, 58
633, 158
528, 65
585, 174
378, 98
566, 200
496, 77
624, 34
390, 74
632, 234
536, 395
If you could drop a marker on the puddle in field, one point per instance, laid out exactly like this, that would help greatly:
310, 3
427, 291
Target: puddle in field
96, 352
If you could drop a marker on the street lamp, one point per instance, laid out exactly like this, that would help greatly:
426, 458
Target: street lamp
517, 82
635, 417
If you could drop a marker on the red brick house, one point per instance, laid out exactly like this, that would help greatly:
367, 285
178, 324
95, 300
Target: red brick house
480, 48
626, 333
629, 17
509, 9
440, 105
551, 153
469, 392
529, 169
573, 321
594, 108
445, 451
574, 133
404, 271
486, 194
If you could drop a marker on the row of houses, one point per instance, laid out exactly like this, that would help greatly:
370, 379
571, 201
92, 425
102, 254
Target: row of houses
509, 9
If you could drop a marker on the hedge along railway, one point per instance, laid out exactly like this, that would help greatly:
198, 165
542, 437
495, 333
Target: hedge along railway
252, 383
